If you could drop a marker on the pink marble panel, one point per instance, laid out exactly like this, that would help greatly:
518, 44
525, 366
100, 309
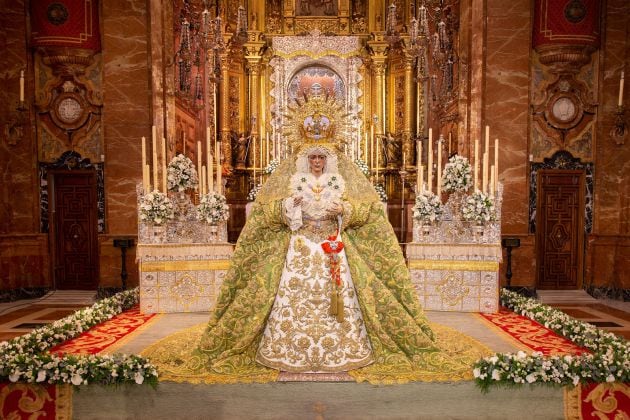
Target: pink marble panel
126, 110
507, 102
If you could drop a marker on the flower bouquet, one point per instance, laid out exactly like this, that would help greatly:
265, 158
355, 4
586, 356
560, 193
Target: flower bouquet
271, 168
253, 193
213, 208
181, 174
156, 208
381, 192
428, 207
362, 167
479, 208
457, 176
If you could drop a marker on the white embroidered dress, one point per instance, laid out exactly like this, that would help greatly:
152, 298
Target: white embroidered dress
300, 335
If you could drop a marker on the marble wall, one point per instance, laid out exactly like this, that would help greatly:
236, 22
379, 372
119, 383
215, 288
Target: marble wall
608, 250
505, 110
126, 118
23, 253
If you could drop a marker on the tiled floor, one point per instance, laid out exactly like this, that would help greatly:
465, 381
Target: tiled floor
20, 317
17, 318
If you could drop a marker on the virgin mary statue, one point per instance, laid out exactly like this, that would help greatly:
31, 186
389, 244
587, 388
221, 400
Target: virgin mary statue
317, 283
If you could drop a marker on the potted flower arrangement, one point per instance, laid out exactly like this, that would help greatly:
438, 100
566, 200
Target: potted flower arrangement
213, 209
457, 176
156, 210
181, 174
478, 208
428, 207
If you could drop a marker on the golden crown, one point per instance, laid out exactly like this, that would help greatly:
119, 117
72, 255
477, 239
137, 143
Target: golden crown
316, 120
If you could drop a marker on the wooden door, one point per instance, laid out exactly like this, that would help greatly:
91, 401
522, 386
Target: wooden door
560, 229
75, 229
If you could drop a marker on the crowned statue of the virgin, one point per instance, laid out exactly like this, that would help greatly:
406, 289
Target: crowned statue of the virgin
317, 282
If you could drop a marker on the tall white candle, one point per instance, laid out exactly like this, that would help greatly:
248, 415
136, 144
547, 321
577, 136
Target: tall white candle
377, 158
210, 174
144, 163
199, 168
204, 180
219, 181
496, 165
164, 164
476, 166
439, 166
147, 173
267, 150
372, 146
487, 144
449, 144
491, 186
21, 85
621, 81
484, 185
418, 165
184, 144
155, 159
253, 149
208, 161
365, 149
421, 180
430, 162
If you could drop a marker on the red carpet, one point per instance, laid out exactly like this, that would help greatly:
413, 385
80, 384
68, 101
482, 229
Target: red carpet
104, 335
532, 334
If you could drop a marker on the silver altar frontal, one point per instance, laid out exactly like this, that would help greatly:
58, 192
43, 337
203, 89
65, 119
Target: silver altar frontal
181, 277
454, 264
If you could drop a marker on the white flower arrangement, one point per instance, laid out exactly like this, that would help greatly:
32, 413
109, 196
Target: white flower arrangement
181, 174
457, 175
213, 208
271, 168
156, 208
608, 362
362, 167
253, 193
428, 207
478, 207
24, 358
381, 192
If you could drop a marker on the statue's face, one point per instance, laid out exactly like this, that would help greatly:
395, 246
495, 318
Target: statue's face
316, 163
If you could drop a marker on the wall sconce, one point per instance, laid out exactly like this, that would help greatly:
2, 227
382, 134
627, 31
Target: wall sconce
619, 130
18, 120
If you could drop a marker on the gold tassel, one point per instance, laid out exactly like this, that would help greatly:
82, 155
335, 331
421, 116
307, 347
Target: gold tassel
333, 300
339, 306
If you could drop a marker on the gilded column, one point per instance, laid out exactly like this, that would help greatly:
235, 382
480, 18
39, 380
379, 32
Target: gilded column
224, 93
379, 56
407, 133
253, 55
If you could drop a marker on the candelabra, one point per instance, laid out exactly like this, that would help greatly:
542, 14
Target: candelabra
16, 124
201, 41
619, 130
431, 34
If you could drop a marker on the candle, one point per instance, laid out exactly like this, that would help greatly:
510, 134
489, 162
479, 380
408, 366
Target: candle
421, 180
147, 173
476, 165
492, 180
430, 162
377, 158
404, 160
155, 161
253, 140
210, 174
144, 163
365, 149
487, 144
484, 185
267, 149
439, 166
208, 162
449, 143
164, 164
204, 177
22, 86
219, 184
372, 146
496, 165
621, 80
199, 168
418, 165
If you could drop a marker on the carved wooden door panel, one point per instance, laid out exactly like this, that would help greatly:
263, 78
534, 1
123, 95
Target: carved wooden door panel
75, 230
560, 229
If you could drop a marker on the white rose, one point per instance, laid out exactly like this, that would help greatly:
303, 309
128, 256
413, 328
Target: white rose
41, 376
76, 379
496, 375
